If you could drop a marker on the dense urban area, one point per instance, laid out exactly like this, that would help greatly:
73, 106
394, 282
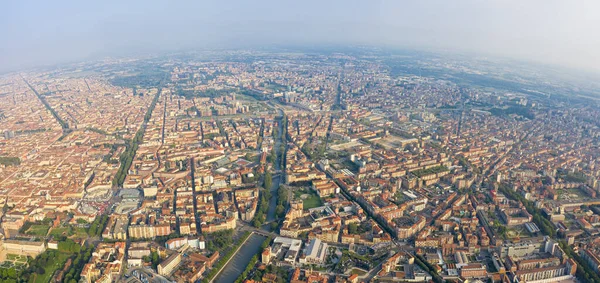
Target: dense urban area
256, 166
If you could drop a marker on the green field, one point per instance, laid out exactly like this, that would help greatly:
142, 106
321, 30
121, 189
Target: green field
312, 202
309, 198
38, 230
428, 171
81, 233
358, 272
64, 231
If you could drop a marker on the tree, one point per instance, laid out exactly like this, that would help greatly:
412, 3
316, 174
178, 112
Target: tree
268, 180
11, 273
352, 228
155, 259
279, 210
257, 221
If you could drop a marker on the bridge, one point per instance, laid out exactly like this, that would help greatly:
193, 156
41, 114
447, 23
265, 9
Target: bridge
245, 227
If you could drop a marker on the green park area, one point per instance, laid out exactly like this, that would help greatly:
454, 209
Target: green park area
429, 171
49, 262
309, 198
19, 268
40, 230
358, 272
16, 259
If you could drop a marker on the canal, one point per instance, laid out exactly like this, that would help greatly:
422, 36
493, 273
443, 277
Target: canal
240, 260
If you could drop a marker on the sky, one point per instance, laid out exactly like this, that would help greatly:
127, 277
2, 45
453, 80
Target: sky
39, 33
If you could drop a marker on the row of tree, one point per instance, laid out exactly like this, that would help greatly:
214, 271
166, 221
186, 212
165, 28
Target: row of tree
73, 274
217, 241
130, 149
425, 265
544, 224
97, 226
263, 203
62, 123
583, 269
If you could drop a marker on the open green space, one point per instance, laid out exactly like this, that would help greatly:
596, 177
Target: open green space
69, 232
312, 202
9, 161
81, 233
358, 272
60, 231
16, 259
40, 269
13, 257
429, 171
38, 230
309, 198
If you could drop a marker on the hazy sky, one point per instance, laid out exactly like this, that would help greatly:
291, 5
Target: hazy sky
45, 32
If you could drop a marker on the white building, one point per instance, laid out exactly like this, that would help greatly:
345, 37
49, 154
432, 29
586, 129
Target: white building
315, 252
291, 248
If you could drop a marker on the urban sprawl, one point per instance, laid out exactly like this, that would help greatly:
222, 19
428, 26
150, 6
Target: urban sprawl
299, 167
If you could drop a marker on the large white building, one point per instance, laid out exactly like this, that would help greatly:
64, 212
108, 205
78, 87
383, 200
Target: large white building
315, 252
291, 248
191, 242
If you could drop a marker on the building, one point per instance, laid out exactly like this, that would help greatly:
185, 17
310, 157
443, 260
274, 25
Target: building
138, 252
53, 245
315, 252
287, 247
407, 229
515, 216
220, 224
168, 266
473, 270
24, 248
266, 255
552, 273
148, 231
106, 262
179, 242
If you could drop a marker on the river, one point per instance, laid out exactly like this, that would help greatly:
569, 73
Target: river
240, 260
277, 177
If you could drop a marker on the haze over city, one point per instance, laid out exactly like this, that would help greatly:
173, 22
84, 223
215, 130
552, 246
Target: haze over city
47, 32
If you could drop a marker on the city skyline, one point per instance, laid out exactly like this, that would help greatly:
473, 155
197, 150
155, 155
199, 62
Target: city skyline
40, 33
